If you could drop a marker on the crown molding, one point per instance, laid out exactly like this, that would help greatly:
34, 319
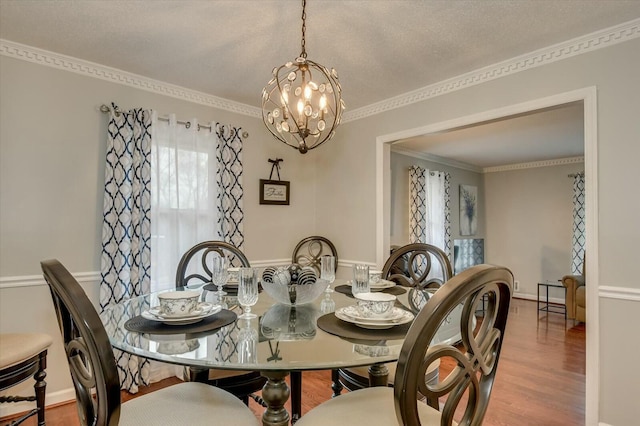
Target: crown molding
584, 44
114, 75
437, 159
577, 46
534, 164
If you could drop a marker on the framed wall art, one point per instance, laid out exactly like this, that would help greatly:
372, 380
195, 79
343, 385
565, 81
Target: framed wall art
275, 192
468, 209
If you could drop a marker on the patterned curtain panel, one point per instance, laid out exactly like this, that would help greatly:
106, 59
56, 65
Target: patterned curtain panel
229, 178
126, 230
184, 196
417, 205
579, 225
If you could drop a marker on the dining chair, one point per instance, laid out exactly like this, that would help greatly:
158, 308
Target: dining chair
309, 252
410, 266
240, 383
23, 355
464, 394
95, 375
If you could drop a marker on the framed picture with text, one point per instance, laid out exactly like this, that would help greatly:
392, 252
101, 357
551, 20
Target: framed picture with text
275, 192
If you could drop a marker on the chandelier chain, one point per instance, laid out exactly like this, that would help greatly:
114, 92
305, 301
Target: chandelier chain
303, 54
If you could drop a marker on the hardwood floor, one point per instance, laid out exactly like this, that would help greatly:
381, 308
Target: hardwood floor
540, 379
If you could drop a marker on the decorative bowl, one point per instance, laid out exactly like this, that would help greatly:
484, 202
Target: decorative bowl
176, 304
375, 305
292, 285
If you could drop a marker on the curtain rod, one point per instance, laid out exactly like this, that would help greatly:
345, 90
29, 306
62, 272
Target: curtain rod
105, 109
572, 175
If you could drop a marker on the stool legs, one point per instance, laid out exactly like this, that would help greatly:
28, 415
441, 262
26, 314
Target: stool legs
41, 386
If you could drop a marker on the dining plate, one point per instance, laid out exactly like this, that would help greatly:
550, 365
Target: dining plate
204, 310
374, 325
394, 315
381, 285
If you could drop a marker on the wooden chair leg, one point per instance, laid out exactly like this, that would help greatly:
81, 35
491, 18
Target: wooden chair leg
296, 395
40, 387
336, 386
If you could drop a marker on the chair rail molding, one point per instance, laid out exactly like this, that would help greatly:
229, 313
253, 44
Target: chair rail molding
38, 280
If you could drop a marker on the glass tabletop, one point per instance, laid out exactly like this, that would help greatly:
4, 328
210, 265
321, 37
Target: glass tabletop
281, 338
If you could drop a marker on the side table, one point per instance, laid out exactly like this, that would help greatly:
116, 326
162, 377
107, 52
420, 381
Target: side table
545, 305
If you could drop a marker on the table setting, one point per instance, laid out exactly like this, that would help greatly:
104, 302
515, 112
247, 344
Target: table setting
290, 330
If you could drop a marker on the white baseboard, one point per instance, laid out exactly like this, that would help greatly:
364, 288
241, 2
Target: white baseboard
534, 297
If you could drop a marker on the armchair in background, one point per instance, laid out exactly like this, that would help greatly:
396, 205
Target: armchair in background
576, 300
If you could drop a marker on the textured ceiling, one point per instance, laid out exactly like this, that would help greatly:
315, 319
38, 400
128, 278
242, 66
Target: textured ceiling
381, 49
228, 48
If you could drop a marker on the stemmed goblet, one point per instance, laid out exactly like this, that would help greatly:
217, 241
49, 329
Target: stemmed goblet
219, 274
247, 291
328, 271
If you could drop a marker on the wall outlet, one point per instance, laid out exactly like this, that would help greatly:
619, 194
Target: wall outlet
516, 285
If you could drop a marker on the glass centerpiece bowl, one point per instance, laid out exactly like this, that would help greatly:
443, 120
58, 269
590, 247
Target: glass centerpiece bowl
292, 285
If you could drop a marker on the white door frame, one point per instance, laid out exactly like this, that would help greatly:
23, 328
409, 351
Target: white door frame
588, 96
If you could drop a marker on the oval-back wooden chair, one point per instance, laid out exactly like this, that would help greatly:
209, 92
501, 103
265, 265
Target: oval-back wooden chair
310, 250
240, 383
410, 266
95, 374
465, 392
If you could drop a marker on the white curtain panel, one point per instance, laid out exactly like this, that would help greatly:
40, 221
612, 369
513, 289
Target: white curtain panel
184, 196
429, 210
579, 224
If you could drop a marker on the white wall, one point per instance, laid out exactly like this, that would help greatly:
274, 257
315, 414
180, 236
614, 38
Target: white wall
614, 72
52, 145
530, 222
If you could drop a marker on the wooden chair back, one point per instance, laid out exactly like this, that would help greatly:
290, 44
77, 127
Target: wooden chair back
204, 252
469, 384
412, 266
310, 250
89, 353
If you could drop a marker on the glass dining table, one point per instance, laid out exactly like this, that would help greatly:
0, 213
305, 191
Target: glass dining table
282, 339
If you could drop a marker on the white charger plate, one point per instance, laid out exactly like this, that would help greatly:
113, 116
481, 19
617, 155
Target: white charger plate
375, 325
204, 310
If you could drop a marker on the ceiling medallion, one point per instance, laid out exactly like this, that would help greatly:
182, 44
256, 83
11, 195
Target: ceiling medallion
302, 104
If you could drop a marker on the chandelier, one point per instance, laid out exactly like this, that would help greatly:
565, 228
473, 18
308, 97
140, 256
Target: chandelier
302, 104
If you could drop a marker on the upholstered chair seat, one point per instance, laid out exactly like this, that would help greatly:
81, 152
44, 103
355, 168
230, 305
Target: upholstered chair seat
23, 355
476, 360
18, 347
186, 404
95, 373
373, 407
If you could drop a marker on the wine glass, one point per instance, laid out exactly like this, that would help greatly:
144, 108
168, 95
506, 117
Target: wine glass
219, 274
328, 271
247, 291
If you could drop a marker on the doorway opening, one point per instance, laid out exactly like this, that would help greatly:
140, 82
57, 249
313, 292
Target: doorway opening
588, 98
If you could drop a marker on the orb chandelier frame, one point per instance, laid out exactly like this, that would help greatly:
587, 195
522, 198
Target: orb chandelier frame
302, 104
